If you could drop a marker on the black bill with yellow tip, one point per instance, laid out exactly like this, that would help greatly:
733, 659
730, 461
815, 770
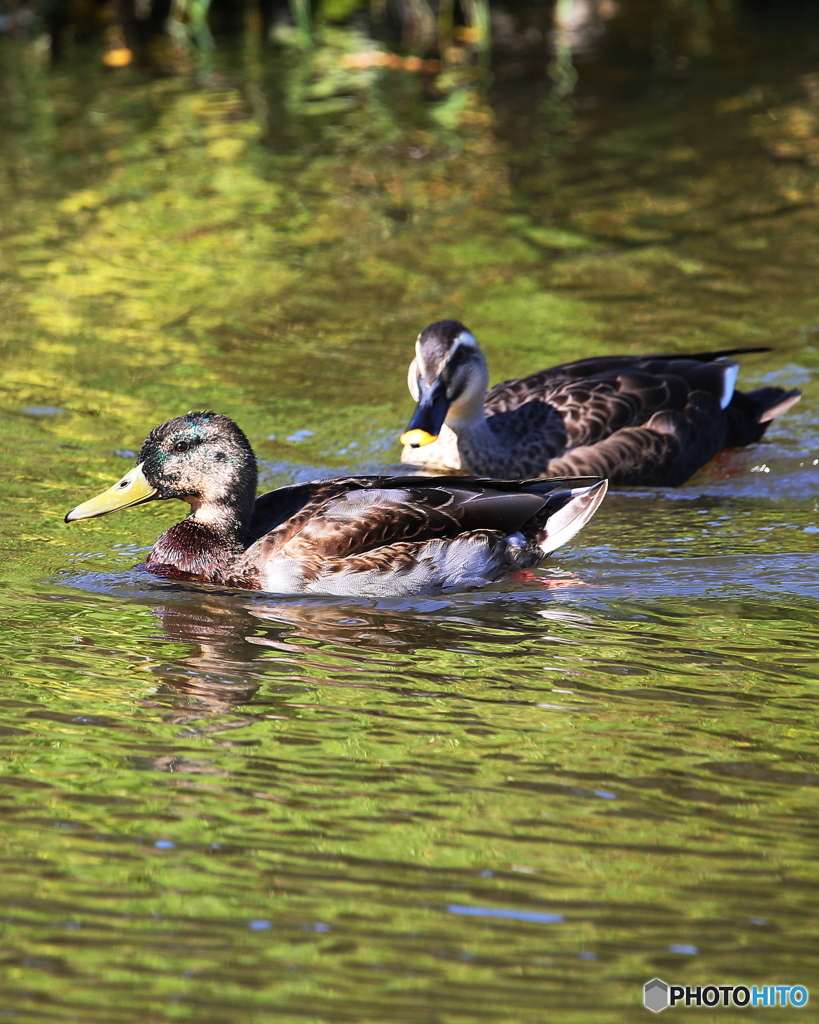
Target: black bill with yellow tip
429, 416
132, 489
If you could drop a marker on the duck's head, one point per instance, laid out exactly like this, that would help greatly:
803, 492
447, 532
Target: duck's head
447, 378
202, 458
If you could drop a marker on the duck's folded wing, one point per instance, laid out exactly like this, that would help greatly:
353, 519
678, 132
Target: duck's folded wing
586, 411
664, 452
297, 503
336, 519
364, 519
593, 407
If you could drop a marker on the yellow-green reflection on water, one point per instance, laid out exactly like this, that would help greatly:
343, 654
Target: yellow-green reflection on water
417, 812
512, 806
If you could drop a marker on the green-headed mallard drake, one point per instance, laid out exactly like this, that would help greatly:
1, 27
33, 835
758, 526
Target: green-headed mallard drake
636, 420
372, 536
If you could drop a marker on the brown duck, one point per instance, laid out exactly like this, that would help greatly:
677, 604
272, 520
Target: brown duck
373, 536
636, 420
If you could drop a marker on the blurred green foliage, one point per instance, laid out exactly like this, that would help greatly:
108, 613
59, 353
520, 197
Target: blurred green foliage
449, 29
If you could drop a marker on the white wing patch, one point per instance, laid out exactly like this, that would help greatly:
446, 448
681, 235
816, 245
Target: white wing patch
729, 380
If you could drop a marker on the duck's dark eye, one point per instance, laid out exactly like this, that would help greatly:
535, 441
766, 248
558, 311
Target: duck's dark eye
181, 446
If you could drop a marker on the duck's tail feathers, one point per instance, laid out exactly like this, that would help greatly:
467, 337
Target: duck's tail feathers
774, 402
576, 507
750, 412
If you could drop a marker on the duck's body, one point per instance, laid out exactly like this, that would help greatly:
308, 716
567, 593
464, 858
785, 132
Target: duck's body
636, 420
356, 536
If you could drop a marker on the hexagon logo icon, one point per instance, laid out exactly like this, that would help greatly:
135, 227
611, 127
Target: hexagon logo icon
655, 995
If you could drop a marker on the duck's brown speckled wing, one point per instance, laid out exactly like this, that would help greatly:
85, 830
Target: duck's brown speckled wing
638, 420
363, 520
340, 518
483, 496
665, 452
593, 409
596, 397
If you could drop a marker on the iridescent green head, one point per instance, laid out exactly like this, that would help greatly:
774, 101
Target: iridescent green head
202, 458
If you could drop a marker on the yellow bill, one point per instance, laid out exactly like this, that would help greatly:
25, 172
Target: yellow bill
132, 489
417, 438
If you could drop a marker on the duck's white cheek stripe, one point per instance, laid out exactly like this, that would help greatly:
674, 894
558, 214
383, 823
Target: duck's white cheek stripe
465, 340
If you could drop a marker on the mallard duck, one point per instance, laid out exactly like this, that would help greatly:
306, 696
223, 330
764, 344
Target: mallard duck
636, 420
365, 535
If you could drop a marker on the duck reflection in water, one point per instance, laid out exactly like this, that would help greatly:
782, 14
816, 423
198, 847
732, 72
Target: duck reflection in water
213, 676
239, 646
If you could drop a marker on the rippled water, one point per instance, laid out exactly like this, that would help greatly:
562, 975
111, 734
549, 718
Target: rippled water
515, 805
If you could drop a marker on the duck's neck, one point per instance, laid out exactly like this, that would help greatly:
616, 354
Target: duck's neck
228, 520
467, 419
465, 443
475, 440
204, 545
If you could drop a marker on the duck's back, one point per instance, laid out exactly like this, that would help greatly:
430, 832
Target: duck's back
626, 390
